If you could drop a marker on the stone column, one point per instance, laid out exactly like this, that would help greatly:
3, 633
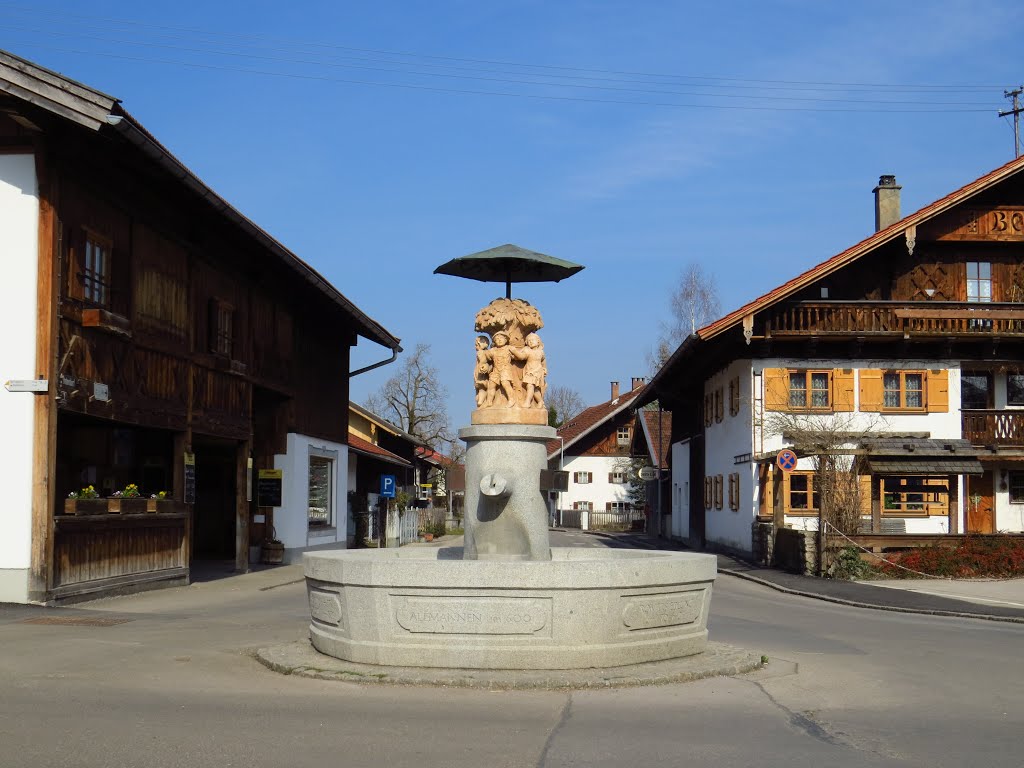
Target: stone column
506, 515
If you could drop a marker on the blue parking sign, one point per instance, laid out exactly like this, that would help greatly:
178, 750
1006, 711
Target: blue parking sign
388, 485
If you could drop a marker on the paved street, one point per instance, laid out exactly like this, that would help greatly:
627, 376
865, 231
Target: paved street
164, 679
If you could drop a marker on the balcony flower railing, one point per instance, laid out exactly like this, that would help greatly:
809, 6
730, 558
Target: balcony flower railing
892, 318
991, 427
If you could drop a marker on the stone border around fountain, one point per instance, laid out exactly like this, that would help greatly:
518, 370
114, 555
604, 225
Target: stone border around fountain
584, 608
300, 659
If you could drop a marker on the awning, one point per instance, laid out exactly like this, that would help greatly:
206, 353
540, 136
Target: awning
923, 466
921, 456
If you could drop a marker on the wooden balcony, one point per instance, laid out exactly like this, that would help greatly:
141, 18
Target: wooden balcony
1004, 428
899, 319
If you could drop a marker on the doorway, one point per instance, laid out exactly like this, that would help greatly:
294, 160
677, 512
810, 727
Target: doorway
214, 512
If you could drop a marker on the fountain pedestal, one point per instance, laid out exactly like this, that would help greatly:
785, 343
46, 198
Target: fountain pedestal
506, 513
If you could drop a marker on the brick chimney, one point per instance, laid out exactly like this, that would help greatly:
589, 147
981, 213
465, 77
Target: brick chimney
615, 390
637, 383
887, 202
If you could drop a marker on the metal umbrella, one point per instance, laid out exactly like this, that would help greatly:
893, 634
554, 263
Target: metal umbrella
509, 264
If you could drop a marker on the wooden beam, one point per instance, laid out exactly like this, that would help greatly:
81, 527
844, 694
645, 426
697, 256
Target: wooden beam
242, 507
44, 438
954, 503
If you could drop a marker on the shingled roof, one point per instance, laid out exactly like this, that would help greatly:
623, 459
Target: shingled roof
658, 439
357, 444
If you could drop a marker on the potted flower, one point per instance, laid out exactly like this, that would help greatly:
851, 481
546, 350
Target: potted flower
85, 502
272, 550
126, 502
153, 502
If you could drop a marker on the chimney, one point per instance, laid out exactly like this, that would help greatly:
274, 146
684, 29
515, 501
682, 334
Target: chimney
637, 383
615, 390
887, 202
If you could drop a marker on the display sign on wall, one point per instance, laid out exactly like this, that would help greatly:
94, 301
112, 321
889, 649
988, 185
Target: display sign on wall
268, 487
190, 478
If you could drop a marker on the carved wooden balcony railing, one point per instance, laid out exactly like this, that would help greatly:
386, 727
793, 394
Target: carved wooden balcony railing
892, 318
998, 428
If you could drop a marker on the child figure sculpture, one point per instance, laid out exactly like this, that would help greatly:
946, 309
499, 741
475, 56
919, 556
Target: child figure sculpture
500, 356
534, 371
482, 372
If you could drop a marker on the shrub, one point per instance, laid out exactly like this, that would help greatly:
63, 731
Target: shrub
848, 565
976, 556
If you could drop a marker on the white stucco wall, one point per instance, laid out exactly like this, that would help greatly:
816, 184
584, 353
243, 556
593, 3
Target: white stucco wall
681, 490
600, 491
728, 448
936, 425
291, 519
19, 246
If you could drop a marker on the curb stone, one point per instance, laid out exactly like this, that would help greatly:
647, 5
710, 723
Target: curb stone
719, 660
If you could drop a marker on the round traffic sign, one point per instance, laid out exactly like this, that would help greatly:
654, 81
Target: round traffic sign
786, 459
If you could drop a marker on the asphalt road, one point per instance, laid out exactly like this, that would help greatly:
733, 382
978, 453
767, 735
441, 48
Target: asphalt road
173, 685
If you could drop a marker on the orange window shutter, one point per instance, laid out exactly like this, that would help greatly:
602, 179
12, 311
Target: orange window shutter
865, 495
871, 390
776, 389
938, 391
842, 385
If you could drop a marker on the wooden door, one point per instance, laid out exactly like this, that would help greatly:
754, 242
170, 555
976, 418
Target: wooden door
980, 516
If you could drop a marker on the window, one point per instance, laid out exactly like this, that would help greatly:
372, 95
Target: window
718, 491
582, 477
809, 390
617, 477
222, 316
584, 506
1015, 389
1017, 487
914, 495
96, 270
719, 405
802, 498
734, 396
979, 281
320, 491
975, 390
622, 436
618, 506
734, 491
903, 390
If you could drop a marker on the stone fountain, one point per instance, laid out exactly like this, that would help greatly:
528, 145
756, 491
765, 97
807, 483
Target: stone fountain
507, 599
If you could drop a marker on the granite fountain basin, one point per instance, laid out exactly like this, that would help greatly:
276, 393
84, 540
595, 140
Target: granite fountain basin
583, 608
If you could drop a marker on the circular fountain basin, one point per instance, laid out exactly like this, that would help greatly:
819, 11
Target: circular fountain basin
427, 607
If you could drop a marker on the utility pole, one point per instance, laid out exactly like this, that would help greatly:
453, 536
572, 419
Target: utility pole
1015, 95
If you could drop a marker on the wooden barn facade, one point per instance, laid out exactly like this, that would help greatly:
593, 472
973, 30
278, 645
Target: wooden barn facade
178, 348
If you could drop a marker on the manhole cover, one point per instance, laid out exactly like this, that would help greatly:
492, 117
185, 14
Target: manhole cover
77, 621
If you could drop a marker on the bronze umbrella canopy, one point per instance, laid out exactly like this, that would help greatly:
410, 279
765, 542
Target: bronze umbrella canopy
509, 264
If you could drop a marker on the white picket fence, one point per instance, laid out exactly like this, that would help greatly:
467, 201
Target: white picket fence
403, 526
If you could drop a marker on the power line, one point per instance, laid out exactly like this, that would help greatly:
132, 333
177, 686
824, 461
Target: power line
512, 81
631, 73
481, 92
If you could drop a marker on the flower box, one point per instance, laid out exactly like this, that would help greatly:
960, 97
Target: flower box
123, 506
85, 506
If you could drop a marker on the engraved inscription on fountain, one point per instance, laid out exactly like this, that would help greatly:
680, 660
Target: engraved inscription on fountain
325, 607
662, 610
441, 615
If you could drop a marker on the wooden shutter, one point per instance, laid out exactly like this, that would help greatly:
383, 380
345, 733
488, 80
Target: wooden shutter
75, 262
871, 390
842, 389
776, 389
765, 503
865, 496
938, 391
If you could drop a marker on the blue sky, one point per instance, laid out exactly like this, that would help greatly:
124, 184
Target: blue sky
380, 139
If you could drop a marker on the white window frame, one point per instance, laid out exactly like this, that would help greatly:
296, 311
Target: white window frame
331, 458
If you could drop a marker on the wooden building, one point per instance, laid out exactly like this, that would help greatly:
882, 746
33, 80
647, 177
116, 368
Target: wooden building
177, 348
912, 338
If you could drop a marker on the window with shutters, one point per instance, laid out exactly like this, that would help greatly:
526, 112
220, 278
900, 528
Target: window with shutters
617, 506
915, 495
810, 390
718, 491
903, 390
709, 495
719, 404
617, 477
709, 409
95, 274
734, 491
582, 477
734, 396
222, 327
585, 506
801, 495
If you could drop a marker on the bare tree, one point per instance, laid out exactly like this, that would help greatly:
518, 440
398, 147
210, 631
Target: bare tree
563, 405
693, 304
414, 399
